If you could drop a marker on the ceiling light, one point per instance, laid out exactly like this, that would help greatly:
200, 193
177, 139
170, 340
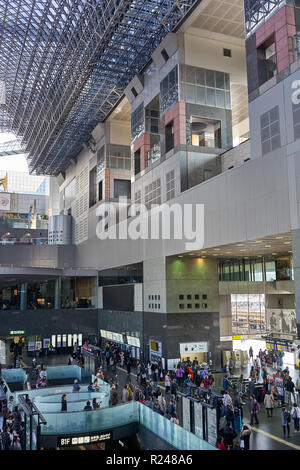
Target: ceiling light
258, 241
287, 243
240, 244
242, 250
217, 249
274, 254
267, 246
279, 238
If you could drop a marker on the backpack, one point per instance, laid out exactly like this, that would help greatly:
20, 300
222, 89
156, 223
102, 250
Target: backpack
294, 415
257, 407
287, 416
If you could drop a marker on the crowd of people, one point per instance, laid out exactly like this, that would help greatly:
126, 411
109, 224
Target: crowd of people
12, 436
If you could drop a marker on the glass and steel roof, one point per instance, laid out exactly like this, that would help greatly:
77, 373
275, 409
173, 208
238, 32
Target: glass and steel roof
256, 11
64, 65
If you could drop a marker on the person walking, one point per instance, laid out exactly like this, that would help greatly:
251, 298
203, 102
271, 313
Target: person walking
254, 409
245, 438
285, 421
295, 412
269, 404
251, 354
64, 402
167, 383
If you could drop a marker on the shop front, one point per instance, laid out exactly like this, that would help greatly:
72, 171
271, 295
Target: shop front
125, 342
194, 352
53, 344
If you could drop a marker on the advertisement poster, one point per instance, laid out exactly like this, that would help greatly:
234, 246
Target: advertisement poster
46, 343
186, 348
281, 321
38, 345
4, 202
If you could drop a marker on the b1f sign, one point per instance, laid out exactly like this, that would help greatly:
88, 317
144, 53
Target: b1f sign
4, 202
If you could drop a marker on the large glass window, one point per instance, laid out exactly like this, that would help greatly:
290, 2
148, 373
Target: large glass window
204, 132
270, 130
10, 297
137, 122
248, 313
41, 295
93, 187
169, 90
207, 87
122, 188
78, 292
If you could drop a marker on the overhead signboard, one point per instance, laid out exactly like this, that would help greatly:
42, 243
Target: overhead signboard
186, 348
70, 441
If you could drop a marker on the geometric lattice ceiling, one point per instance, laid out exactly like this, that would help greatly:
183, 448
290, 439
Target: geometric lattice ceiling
64, 65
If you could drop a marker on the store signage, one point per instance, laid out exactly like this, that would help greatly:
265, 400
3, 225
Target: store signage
4, 202
237, 337
17, 332
69, 441
186, 348
133, 341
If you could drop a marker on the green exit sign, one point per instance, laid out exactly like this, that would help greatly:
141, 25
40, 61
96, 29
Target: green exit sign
17, 332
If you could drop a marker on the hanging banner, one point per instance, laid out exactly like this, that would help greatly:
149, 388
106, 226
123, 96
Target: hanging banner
4, 202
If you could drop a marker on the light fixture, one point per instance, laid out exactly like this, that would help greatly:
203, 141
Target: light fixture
286, 243
240, 244
267, 246
258, 241
217, 249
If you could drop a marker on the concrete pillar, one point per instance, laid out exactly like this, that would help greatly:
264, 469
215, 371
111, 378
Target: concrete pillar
23, 300
296, 262
95, 292
57, 293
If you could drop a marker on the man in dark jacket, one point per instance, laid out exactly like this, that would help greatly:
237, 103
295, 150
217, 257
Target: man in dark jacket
290, 390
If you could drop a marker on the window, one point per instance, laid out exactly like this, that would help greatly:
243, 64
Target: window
100, 159
169, 132
118, 156
138, 197
100, 190
181, 297
165, 55
170, 185
197, 297
137, 122
93, 187
270, 131
181, 305
227, 52
207, 87
296, 121
204, 132
271, 65
137, 162
153, 192
122, 188
169, 90
134, 92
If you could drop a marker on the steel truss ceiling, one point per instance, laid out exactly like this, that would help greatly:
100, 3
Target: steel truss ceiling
257, 10
64, 65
